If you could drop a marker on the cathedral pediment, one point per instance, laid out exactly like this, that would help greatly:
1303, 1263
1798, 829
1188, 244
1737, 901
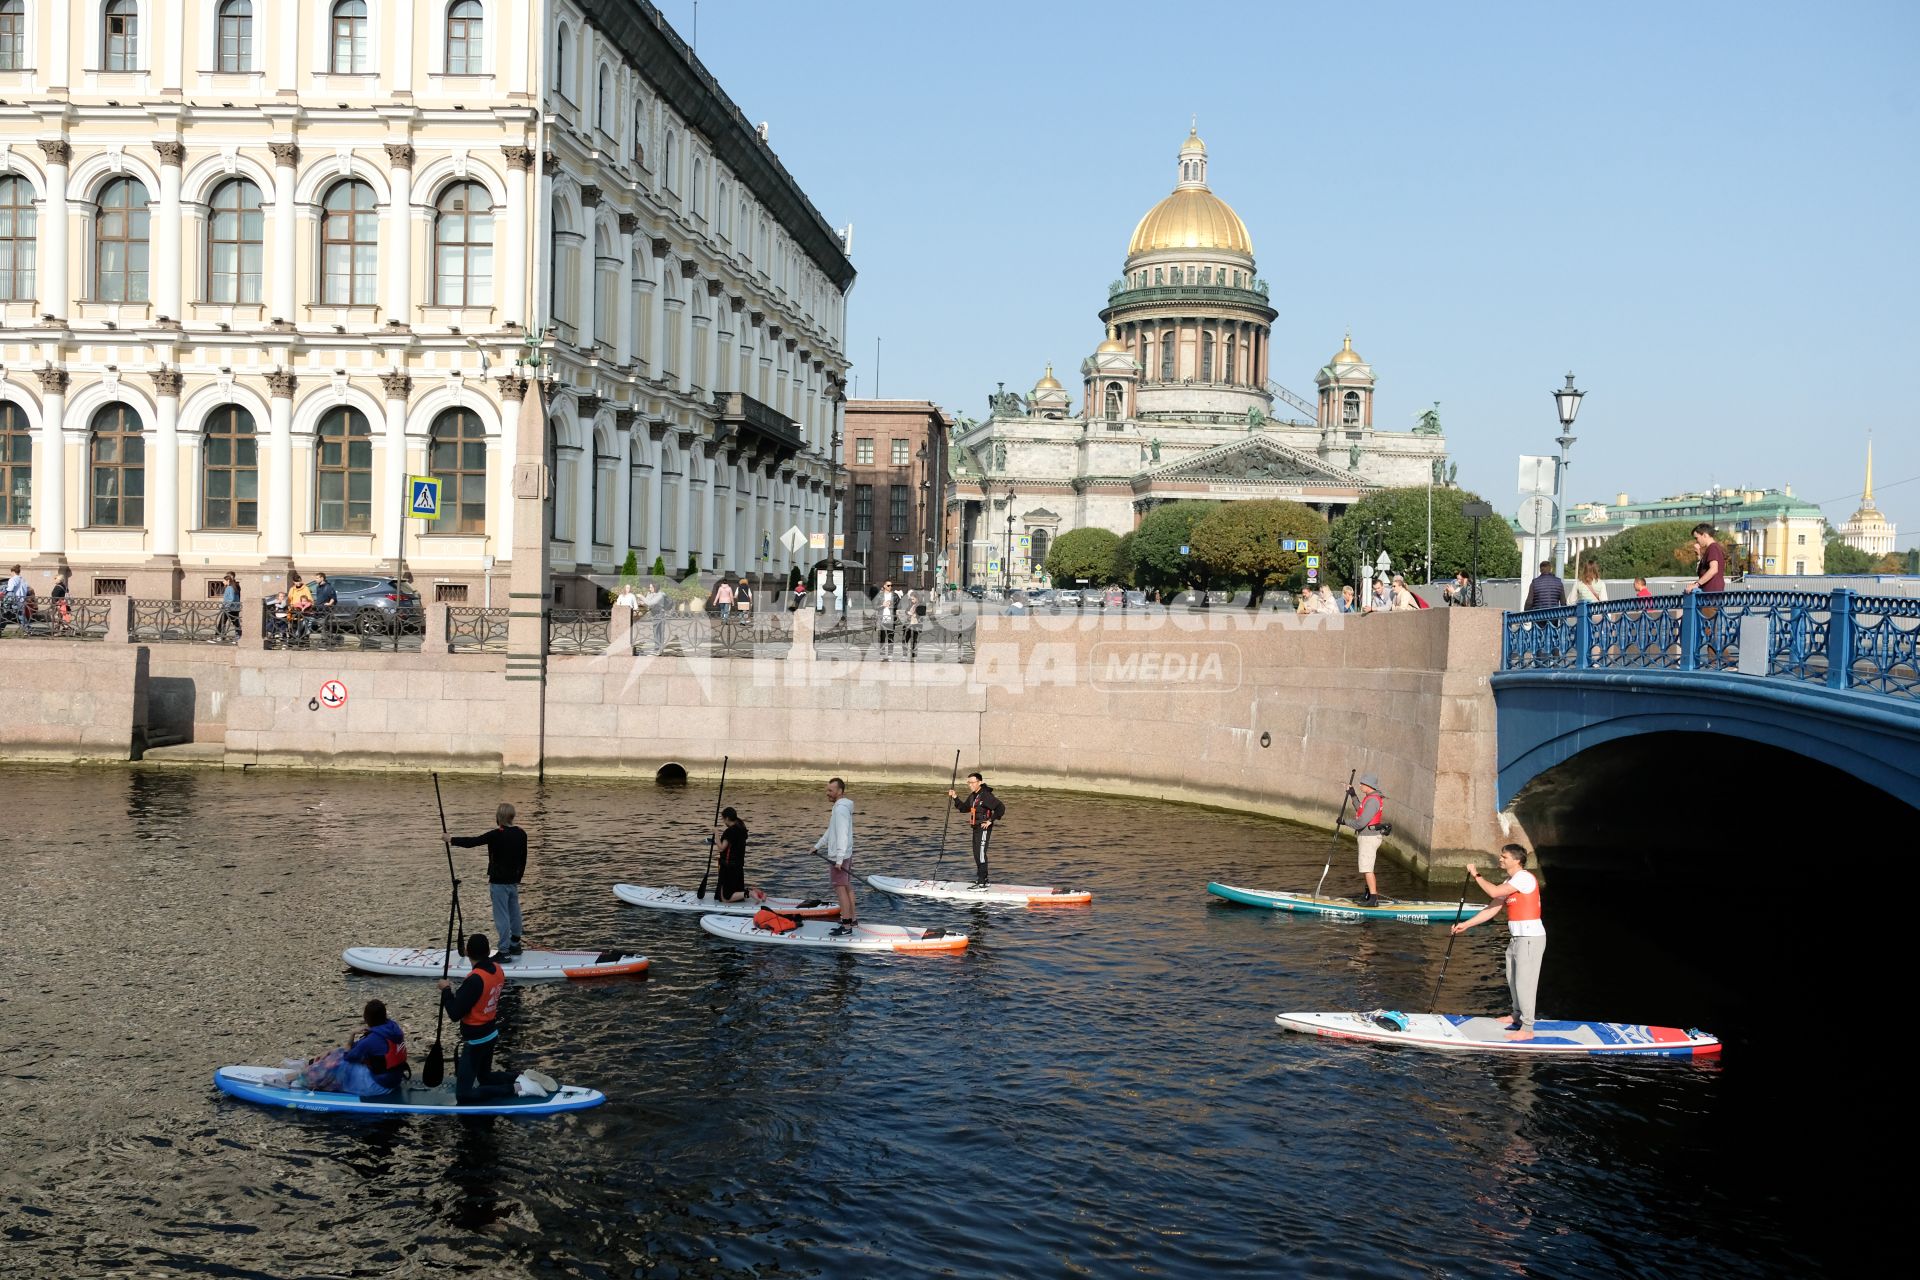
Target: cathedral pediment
1254, 458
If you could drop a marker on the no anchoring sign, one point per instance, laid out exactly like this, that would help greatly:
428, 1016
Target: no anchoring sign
333, 695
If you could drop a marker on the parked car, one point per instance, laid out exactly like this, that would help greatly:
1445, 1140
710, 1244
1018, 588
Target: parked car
1136, 599
372, 605
977, 591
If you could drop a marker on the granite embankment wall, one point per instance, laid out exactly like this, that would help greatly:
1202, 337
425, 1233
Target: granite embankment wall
1251, 712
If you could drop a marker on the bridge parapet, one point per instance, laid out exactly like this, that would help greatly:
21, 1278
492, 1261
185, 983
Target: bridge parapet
1838, 639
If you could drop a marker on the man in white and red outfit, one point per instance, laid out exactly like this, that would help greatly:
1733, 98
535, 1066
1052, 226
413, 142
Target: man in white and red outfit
1369, 823
1520, 896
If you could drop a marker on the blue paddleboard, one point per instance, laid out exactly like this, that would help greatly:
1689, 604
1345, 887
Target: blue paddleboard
1346, 908
250, 1083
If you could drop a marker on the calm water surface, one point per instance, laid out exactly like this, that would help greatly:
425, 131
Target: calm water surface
1091, 1092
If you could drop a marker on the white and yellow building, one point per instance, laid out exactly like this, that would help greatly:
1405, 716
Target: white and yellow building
1868, 528
260, 260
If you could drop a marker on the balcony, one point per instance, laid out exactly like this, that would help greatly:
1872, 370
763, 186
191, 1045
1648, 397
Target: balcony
1166, 295
758, 429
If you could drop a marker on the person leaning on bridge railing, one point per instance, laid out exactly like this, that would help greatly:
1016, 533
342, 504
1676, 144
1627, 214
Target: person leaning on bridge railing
1546, 591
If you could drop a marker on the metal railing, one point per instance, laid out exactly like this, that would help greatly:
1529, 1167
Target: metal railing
1838, 639
337, 628
579, 630
181, 622
475, 630
707, 633
945, 638
68, 618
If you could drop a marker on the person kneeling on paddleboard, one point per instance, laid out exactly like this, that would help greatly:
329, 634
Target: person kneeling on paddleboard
1520, 895
983, 809
381, 1048
1369, 822
476, 1007
838, 843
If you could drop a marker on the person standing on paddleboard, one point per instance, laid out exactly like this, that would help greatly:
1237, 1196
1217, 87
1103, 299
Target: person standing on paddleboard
838, 843
1369, 822
983, 809
1520, 895
730, 851
506, 847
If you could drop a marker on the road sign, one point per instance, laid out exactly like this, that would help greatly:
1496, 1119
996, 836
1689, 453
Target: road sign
993, 566
1301, 546
795, 538
423, 497
1024, 541
1536, 514
1313, 562
1184, 550
333, 695
1536, 475
816, 542
1286, 544
906, 564
1313, 575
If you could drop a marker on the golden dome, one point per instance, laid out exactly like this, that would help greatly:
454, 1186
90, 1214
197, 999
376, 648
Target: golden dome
1346, 354
1049, 382
1191, 218
1193, 143
1111, 346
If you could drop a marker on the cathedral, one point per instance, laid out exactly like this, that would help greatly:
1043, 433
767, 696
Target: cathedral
1177, 403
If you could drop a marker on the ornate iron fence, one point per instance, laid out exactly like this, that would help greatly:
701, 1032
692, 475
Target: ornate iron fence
947, 638
181, 622
708, 634
366, 629
68, 618
475, 630
579, 630
1839, 639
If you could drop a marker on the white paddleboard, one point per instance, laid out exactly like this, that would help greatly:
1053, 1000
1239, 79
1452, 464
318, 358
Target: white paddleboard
1472, 1033
671, 899
1011, 895
528, 966
819, 934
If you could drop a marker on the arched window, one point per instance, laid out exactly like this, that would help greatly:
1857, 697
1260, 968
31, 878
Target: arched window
235, 35
560, 42
120, 242
349, 234
118, 458
457, 457
1166, 355
1114, 401
466, 33
120, 36
1350, 409
666, 162
603, 105
343, 473
605, 476
463, 246
640, 133
565, 297
17, 226
721, 211
699, 193
230, 471
16, 466
13, 35
1232, 369
236, 242
347, 46
1206, 355
606, 286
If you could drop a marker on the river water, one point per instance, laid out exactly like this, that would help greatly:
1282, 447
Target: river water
1086, 1092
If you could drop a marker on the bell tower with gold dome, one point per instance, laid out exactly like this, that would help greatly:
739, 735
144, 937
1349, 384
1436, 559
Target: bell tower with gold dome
1189, 308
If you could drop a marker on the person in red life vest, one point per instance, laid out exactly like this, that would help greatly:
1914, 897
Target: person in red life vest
476, 1007
1369, 822
1519, 894
381, 1048
983, 809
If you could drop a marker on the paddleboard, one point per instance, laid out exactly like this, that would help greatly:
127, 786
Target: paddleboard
1011, 895
1347, 908
528, 966
251, 1084
818, 934
671, 899
1475, 1034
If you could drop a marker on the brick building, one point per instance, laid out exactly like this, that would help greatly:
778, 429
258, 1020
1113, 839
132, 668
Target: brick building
896, 459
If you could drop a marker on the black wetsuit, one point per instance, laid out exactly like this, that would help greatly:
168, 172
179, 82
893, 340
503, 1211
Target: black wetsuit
731, 854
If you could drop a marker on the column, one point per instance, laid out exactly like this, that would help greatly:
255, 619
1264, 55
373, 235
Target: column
589, 299
399, 235
722, 362
166, 234
166, 463
587, 409
653, 502
657, 314
623, 316
513, 262
513, 389
286, 234
699, 343
401, 63
683, 510
50, 471
622, 485
396, 387
683, 332
56, 298
279, 506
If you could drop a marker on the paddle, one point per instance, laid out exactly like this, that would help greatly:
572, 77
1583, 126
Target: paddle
1458, 912
436, 1068
948, 823
701, 892
1337, 822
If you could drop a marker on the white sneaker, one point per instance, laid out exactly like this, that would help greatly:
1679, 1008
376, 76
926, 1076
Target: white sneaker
528, 1087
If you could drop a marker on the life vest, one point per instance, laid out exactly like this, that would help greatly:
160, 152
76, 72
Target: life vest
973, 806
1360, 819
488, 1005
394, 1058
1524, 906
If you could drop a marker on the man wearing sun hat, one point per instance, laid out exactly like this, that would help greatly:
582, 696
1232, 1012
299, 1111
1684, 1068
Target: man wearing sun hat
1369, 822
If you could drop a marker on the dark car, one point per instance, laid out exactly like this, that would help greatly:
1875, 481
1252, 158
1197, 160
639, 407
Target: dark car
977, 591
370, 605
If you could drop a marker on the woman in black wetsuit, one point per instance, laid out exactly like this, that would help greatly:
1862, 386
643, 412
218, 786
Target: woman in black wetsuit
730, 851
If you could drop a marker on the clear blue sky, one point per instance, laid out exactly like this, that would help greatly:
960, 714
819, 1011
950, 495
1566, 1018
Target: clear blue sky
1708, 212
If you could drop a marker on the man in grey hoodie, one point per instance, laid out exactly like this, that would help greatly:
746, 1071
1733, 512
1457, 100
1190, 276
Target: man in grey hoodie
838, 843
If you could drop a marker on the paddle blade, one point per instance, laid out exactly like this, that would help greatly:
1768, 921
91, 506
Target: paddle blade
436, 1069
701, 892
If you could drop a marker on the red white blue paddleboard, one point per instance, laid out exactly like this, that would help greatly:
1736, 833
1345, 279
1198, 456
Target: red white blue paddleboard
819, 935
1006, 895
671, 899
257, 1084
1464, 1032
1345, 908
529, 966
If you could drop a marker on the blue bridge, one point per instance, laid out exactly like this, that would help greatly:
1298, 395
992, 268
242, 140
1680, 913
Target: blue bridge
1831, 677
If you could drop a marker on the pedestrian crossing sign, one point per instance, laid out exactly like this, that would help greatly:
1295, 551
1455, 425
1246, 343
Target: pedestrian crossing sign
423, 497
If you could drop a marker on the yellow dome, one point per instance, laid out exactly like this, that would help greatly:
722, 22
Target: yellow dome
1193, 144
1191, 218
1111, 346
1346, 354
1048, 383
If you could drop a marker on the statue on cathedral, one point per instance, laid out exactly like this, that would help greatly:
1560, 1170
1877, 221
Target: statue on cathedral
1429, 424
1353, 458
1005, 404
1444, 471
1255, 418
1155, 446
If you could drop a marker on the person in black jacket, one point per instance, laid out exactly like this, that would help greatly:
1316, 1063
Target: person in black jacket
475, 1005
983, 809
730, 851
506, 847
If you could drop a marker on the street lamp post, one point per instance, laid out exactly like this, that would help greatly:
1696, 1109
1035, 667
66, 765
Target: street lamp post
1006, 560
835, 440
1567, 401
926, 535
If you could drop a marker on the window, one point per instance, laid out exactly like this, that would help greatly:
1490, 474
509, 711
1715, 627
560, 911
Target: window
560, 40
566, 267
863, 508
449, 593
120, 36
120, 242
1350, 409
722, 213
343, 473
1113, 401
699, 193
1166, 355
1799, 566
235, 49
463, 246
347, 52
16, 466
230, 471
1231, 373
236, 234
1206, 355
863, 453
17, 221
604, 472
457, 457
901, 457
897, 510
466, 31
640, 134
606, 286
349, 230
1038, 553
603, 104
666, 163
13, 35
1800, 540
119, 462
109, 586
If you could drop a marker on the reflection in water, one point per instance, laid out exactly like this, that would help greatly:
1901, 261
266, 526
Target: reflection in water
1097, 1090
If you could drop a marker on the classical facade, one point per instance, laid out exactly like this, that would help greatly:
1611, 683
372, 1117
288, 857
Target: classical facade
1868, 528
1178, 402
895, 456
1777, 532
261, 261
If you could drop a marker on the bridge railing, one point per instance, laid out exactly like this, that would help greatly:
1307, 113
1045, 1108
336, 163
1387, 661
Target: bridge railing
1838, 639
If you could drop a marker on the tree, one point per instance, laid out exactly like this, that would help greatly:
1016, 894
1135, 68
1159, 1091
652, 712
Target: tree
1396, 520
659, 566
1892, 562
1663, 549
1081, 553
1842, 558
1157, 543
630, 568
1242, 540
1125, 561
